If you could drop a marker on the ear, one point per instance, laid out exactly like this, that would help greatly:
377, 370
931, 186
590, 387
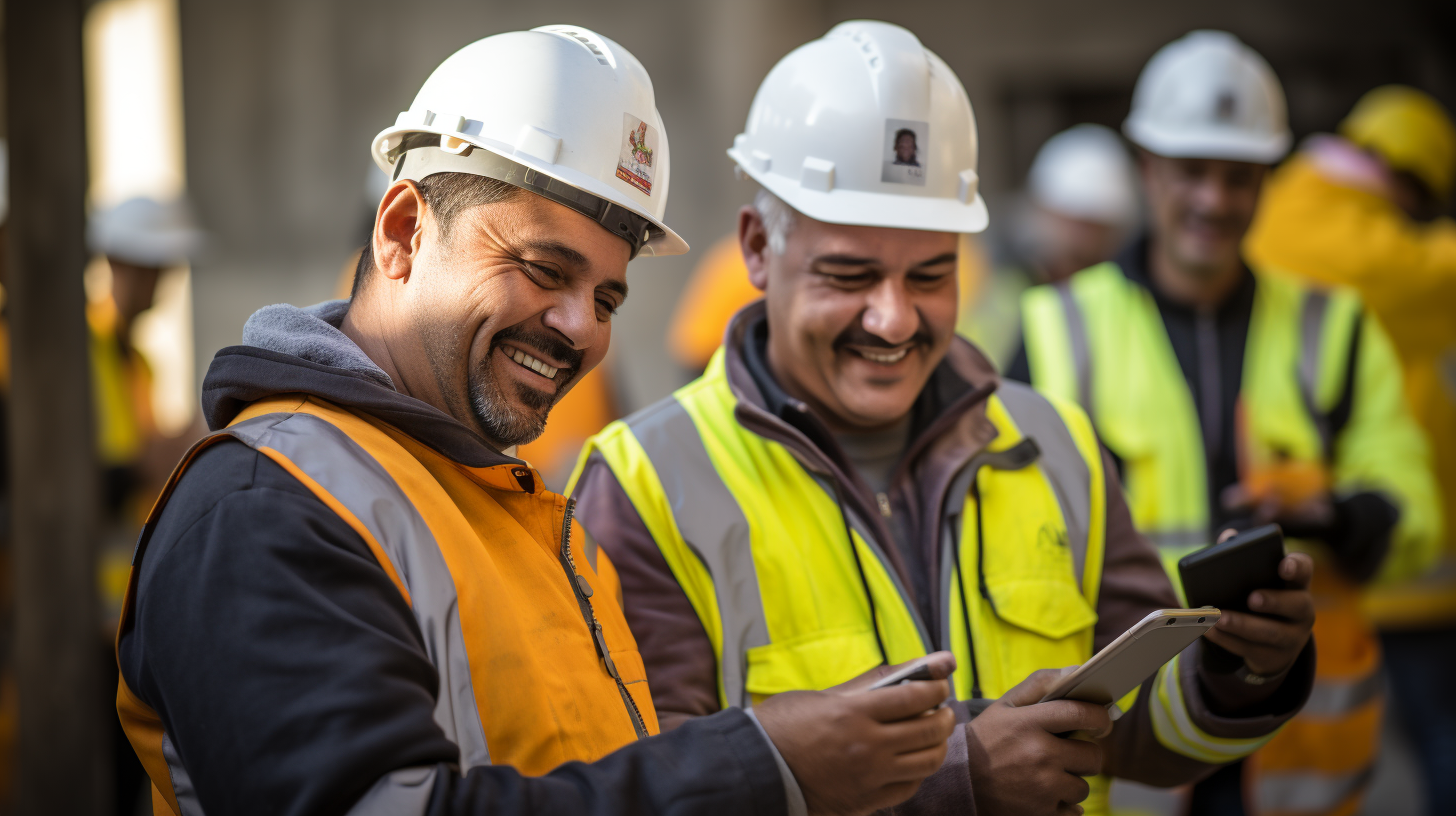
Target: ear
753, 242
398, 230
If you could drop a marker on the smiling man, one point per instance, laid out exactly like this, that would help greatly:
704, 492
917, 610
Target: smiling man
351, 598
850, 485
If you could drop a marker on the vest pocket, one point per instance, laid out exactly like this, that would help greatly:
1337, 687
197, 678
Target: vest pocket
1052, 608
815, 661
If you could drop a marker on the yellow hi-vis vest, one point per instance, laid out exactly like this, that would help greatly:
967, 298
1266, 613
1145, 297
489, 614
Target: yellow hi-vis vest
758, 543
1098, 339
534, 671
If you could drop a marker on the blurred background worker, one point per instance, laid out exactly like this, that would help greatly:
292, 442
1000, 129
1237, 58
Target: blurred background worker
1231, 397
1362, 209
1081, 203
137, 241
824, 498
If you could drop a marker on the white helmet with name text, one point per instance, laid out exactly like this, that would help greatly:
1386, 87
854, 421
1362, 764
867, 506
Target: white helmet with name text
866, 126
1209, 96
560, 111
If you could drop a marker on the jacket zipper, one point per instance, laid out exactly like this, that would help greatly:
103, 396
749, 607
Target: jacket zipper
582, 590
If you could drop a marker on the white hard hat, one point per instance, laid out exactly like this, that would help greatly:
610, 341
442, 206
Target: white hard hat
145, 232
560, 111
1085, 172
1209, 96
866, 126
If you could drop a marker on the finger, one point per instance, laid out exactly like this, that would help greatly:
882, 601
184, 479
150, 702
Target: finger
1291, 604
1061, 716
916, 765
1262, 631
1033, 688
1081, 758
1260, 658
1064, 809
1072, 789
901, 702
918, 733
1226, 535
1297, 569
940, 664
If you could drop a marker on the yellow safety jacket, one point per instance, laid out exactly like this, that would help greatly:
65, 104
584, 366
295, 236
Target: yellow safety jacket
535, 668
1328, 231
1099, 339
795, 591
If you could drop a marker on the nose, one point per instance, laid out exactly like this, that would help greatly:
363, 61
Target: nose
1212, 194
574, 317
890, 315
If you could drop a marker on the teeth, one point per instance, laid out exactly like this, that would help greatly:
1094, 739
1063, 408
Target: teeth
535, 365
892, 357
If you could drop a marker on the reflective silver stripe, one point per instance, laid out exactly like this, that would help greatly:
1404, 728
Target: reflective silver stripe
181, 780
353, 477
1336, 699
404, 792
1081, 348
714, 528
1308, 792
1311, 331
1061, 461
1178, 538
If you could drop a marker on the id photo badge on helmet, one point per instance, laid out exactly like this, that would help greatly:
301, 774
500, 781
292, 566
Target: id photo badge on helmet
866, 126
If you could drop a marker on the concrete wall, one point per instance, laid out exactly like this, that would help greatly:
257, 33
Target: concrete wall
283, 98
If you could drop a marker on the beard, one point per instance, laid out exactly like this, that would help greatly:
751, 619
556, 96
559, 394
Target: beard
511, 413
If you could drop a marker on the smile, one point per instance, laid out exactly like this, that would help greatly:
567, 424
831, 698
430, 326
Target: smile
527, 361
882, 357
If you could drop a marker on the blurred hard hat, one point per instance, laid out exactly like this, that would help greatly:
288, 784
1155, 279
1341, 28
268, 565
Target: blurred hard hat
866, 126
1209, 96
145, 232
560, 111
1084, 172
1409, 130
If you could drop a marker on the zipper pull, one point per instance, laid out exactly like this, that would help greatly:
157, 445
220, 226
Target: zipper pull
585, 587
884, 503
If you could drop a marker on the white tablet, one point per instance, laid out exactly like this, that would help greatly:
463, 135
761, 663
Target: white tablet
1125, 663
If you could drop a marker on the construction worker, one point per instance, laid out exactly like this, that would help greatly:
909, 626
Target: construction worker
850, 484
1229, 397
351, 598
1359, 209
1081, 204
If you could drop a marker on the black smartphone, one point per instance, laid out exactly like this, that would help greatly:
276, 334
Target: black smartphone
1223, 575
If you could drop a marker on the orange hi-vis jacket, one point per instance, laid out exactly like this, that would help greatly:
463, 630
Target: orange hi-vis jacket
504, 586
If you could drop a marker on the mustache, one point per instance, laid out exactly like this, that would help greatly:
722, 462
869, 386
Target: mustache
856, 335
545, 342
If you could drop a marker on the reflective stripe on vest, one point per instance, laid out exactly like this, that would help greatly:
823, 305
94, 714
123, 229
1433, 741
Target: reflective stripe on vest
421, 516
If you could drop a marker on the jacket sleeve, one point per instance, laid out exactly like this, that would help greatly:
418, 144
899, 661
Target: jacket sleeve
1187, 718
291, 677
1382, 449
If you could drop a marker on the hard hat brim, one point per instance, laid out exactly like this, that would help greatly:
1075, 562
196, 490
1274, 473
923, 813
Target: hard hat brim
1229, 146
667, 243
870, 209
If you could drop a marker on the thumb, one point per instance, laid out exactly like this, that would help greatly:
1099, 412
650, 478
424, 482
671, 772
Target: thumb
1034, 687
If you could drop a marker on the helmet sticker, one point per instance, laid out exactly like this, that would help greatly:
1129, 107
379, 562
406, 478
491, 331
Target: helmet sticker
637, 154
907, 143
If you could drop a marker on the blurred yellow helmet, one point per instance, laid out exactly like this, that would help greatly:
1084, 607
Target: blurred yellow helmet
1410, 130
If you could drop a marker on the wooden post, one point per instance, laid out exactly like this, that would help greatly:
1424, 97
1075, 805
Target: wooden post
64, 732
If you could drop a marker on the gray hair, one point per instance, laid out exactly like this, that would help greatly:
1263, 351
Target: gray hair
778, 219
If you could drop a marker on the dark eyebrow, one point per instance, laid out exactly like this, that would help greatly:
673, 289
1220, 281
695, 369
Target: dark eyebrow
845, 260
556, 250
948, 257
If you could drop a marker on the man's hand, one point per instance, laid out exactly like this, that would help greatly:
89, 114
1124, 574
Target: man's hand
855, 751
1019, 764
1271, 636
